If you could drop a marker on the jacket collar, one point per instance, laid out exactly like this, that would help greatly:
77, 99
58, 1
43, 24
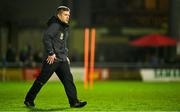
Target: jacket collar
55, 19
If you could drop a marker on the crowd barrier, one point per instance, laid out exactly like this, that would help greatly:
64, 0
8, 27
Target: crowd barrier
103, 71
28, 74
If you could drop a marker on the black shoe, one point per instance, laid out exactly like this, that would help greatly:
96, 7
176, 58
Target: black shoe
29, 104
78, 104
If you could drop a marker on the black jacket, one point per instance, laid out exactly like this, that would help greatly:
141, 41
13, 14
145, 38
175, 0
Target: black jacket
55, 39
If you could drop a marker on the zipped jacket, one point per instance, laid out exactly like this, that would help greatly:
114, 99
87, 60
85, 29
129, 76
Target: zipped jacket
55, 39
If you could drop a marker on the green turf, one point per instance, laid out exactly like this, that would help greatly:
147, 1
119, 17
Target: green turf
105, 96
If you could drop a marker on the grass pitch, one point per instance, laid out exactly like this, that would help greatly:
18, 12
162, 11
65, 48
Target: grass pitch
105, 96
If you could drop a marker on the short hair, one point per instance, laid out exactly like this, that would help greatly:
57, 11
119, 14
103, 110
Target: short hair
60, 9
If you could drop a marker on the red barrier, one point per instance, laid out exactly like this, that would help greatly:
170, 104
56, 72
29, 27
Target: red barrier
30, 73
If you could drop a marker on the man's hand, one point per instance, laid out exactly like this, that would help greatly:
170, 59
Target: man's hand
51, 59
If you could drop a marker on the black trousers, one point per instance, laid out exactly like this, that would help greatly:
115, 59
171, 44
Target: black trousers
62, 70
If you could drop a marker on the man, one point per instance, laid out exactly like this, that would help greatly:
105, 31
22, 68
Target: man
56, 60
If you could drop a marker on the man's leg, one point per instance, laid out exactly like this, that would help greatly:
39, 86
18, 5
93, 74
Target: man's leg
46, 72
66, 78
64, 74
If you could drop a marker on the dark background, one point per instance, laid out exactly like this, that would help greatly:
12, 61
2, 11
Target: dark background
22, 24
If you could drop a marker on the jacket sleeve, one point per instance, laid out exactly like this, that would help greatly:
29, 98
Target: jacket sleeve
48, 37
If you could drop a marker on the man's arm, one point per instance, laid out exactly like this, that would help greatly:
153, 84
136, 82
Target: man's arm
47, 41
48, 36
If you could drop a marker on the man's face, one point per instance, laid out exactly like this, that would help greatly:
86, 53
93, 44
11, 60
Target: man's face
64, 16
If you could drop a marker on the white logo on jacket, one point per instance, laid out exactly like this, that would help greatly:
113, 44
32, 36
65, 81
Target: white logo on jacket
61, 36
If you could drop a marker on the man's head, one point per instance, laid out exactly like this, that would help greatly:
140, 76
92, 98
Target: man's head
63, 13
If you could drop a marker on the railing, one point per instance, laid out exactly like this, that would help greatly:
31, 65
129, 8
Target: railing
114, 71
101, 65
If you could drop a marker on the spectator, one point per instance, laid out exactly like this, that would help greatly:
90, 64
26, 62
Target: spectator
10, 54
